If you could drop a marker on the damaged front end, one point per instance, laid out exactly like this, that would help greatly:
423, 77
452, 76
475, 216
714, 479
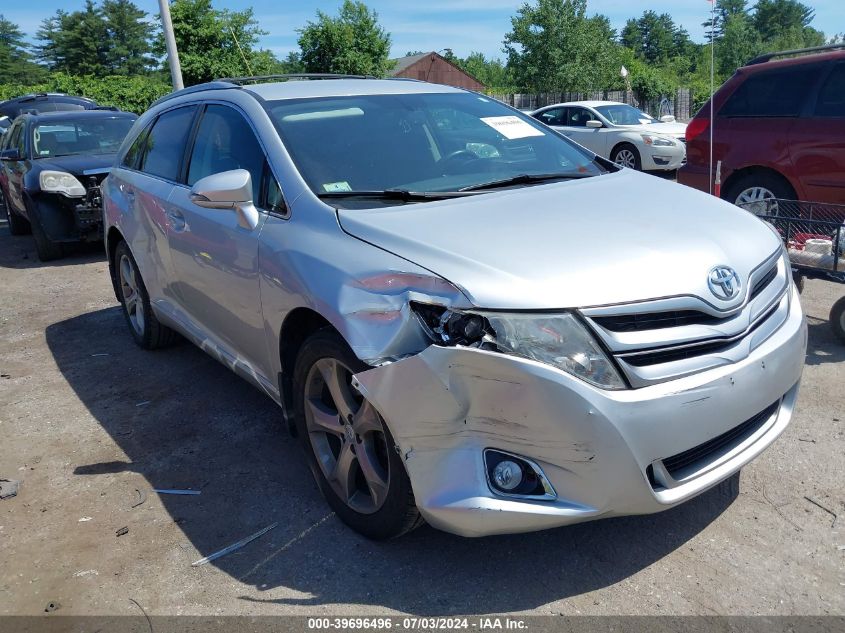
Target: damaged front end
70, 208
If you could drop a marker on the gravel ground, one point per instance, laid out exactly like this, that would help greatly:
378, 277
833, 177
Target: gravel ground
86, 419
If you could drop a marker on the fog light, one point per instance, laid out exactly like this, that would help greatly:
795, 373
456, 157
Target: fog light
507, 475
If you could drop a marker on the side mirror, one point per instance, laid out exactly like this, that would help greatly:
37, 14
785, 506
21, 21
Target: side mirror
594, 124
10, 154
667, 118
228, 190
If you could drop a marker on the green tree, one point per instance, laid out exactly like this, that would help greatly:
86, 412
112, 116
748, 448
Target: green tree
491, 72
76, 42
725, 9
16, 63
786, 23
129, 34
216, 43
351, 43
656, 38
739, 43
553, 45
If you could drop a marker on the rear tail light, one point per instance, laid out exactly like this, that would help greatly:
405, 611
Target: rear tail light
696, 128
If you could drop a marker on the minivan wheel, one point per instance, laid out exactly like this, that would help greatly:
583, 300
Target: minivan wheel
146, 329
837, 319
347, 444
17, 224
626, 155
753, 193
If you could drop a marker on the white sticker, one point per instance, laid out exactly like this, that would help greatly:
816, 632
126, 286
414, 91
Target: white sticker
512, 127
331, 187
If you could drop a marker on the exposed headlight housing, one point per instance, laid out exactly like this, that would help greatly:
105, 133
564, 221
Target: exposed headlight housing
61, 182
657, 141
560, 340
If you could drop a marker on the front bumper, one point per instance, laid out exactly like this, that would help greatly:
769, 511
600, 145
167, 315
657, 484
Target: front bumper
663, 158
599, 449
67, 219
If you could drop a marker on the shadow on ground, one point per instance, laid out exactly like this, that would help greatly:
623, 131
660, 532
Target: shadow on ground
18, 251
185, 421
822, 344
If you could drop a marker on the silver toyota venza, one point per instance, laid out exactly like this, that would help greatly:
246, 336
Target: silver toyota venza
466, 318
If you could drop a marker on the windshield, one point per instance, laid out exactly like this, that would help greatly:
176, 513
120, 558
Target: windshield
419, 142
73, 138
624, 115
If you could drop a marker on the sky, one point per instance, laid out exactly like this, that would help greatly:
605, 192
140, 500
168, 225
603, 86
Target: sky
464, 26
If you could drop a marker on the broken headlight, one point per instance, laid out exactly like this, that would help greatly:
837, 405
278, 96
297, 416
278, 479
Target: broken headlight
61, 182
559, 340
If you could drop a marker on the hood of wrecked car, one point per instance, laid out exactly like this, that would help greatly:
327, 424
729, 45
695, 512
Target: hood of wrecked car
616, 238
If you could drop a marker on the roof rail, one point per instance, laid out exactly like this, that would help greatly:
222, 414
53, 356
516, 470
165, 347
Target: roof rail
762, 59
105, 107
211, 85
239, 81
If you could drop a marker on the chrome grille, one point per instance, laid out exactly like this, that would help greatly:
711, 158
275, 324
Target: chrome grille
663, 339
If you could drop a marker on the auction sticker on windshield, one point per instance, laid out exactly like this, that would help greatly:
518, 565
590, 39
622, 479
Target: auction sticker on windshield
512, 127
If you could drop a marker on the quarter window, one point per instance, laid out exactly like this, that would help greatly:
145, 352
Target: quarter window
164, 146
225, 141
775, 93
831, 101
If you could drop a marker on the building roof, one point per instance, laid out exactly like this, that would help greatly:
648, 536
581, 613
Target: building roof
409, 60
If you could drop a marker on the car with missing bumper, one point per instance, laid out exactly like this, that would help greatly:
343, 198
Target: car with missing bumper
458, 319
51, 168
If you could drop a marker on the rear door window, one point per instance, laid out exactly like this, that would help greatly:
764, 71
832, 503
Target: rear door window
831, 101
164, 146
555, 116
775, 93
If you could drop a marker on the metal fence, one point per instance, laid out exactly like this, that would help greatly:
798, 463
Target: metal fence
679, 104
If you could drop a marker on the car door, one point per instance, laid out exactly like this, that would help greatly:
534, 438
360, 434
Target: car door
817, 142
15, 170
141, 187
215, 259
575, 127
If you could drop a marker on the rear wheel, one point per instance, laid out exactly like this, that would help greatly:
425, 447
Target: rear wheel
348, 446
626, 155
17, 224
146, 329
837, 319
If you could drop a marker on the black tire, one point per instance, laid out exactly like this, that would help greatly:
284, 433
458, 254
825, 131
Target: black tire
837, 319
769, 181
398, 513
46, 249
17, 224
638, 162
147, 331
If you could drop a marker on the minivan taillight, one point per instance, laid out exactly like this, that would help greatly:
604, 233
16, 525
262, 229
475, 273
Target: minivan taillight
696, 128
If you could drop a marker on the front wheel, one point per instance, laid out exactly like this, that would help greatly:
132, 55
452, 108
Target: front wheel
626, 155
837, 319
46, 249
347, 444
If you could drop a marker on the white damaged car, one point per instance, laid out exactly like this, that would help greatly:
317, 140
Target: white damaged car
624, 134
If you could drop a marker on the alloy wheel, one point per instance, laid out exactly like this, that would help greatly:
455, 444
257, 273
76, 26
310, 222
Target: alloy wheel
347, 437
757, 200
626, 158
130, 289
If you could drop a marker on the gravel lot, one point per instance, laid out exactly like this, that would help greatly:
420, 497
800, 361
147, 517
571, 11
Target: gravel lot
86, 418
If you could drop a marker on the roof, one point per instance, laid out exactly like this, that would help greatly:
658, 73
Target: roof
588, 104
344, 87
79, 114
45, 96
760, 66
409, 60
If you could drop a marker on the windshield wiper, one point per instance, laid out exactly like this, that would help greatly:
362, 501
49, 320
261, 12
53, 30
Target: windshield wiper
524, 179
396, 194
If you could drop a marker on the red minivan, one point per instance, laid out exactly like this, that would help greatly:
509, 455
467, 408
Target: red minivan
779, 130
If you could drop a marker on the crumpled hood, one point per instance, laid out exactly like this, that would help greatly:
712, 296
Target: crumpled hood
79, 165
620, 237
